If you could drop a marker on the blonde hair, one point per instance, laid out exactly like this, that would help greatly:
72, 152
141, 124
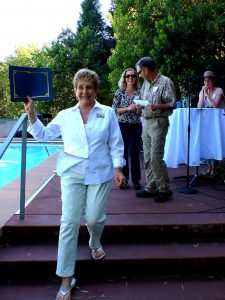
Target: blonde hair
122, 82
88, 75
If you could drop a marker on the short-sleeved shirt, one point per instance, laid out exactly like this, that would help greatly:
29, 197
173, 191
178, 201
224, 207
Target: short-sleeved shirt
159, 91
213, 95
122, 99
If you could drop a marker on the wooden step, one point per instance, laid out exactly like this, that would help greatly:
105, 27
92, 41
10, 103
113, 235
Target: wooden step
122, 226
207, 287
121, 258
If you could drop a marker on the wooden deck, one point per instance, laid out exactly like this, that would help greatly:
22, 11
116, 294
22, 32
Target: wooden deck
155, 251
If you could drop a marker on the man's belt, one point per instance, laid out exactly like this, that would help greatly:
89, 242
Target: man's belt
155, 117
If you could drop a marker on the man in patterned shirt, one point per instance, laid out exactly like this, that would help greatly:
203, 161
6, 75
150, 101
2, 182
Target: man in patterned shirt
159, 90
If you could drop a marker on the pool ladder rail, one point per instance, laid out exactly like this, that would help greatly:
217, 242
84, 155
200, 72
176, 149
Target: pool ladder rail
21, 122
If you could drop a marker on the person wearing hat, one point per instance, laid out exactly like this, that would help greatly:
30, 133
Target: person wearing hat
210, 96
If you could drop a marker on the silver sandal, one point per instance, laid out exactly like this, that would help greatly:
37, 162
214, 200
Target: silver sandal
95, 252
64, 293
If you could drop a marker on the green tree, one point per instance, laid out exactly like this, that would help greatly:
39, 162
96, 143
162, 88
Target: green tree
134, 29
63, 64
93, 32
88, 47
190, 39
4, 90
185, 38
91, 17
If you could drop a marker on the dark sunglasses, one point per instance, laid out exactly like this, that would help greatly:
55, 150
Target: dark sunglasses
131, 75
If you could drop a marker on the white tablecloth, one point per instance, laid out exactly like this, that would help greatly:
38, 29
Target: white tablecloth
207, 136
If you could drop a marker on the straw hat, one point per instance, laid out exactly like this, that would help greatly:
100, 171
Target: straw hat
209, 74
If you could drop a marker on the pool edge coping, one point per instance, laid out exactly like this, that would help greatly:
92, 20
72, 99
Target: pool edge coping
36, 178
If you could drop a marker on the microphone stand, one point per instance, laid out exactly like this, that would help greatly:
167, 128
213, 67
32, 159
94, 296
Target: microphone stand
188, 189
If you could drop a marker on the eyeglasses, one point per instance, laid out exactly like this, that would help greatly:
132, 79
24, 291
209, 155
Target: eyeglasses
130, 75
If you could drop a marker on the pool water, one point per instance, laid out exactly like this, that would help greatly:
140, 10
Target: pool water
10, 163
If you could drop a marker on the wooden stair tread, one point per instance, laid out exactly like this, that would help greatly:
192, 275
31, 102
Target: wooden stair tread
117, 251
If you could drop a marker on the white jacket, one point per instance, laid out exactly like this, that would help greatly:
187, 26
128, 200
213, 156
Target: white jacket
102, 149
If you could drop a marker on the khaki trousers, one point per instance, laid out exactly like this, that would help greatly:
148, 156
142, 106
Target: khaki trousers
154, 138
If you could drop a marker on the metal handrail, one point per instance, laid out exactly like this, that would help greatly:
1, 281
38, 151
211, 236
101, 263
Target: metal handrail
21, 122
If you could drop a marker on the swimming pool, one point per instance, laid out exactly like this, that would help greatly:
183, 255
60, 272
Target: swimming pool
10, 163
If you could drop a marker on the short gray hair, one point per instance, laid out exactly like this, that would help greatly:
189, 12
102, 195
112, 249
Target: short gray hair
88, 75
147, 62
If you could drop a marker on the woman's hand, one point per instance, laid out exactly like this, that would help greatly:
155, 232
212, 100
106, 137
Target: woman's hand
120, 179
126, 109
139, 107
132, 107
29, 107
205, 90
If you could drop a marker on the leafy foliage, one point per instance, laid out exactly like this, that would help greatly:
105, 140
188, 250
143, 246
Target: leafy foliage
88, 48
184, 37
134, 29
62, 65
189, 39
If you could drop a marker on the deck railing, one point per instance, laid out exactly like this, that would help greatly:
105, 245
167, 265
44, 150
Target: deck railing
21, 122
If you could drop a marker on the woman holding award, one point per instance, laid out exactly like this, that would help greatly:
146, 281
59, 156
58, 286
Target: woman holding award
92, 155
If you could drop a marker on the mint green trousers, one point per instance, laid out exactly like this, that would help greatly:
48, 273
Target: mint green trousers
78, 198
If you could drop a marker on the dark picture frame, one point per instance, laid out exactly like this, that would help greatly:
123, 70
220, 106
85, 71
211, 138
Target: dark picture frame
33, 82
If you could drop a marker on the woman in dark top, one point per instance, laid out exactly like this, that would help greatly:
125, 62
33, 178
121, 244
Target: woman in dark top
130, 124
